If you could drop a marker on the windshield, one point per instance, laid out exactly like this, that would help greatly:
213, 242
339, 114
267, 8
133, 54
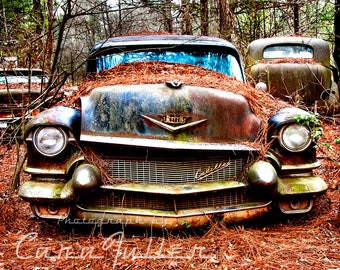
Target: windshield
288, 51
220, 62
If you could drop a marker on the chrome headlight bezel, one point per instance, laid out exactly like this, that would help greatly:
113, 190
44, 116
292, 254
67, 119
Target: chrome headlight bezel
295, 137
50, 141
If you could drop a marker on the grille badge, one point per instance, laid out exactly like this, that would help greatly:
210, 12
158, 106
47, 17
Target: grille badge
201, 174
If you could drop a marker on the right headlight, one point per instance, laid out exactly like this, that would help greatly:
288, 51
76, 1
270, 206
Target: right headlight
295, 137
50, 141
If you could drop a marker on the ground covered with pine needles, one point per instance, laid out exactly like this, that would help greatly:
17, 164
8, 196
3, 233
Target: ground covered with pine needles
310, 241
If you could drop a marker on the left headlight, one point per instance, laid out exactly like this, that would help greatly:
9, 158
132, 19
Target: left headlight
295, 137
50, 141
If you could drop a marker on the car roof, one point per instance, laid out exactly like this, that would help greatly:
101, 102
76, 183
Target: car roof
145, 40
320, 47
20, 69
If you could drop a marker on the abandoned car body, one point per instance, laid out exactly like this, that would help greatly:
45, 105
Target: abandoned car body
296, 69
167, 154
19, 87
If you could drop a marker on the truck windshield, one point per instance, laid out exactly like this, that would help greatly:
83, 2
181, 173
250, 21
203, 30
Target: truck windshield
216, 61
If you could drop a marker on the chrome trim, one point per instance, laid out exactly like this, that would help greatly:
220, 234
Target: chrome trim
48, 171
175, 172
166, 144
291, 210
304, 186
308, 166
40, 191
180, 213
170, 222
176, 189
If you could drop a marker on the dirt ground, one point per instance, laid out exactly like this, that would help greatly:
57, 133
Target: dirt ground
310, 241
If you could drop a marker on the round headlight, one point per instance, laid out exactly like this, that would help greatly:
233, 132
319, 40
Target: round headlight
50, 141
295, 137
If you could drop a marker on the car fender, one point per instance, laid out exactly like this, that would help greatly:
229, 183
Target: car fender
56, 116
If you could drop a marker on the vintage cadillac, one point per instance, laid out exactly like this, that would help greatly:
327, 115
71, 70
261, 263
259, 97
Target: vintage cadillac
297, 69
153, 144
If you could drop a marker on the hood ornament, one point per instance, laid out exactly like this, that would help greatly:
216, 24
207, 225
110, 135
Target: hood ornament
174, 84
173, 121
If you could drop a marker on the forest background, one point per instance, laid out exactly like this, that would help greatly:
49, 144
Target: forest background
56, 35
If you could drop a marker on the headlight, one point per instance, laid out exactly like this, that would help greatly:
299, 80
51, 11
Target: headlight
295, 138
50, 141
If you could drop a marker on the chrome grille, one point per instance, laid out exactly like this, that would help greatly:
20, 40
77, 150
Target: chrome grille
175, 172
163, 202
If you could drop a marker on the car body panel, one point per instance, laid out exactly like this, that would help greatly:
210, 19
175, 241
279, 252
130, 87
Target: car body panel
116, 111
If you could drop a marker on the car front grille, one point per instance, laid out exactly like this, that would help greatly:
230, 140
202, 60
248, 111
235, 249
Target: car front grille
176, 172
111, 200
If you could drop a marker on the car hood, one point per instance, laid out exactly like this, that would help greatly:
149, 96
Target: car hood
125, 114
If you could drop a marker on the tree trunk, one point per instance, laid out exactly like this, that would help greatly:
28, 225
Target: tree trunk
186, 23
296, 17
336, 56
38, 15
204, 18
49, 37
226, 9
222, 4
168, 16
336, 53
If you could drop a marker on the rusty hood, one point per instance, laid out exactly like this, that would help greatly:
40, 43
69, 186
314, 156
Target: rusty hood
142, 114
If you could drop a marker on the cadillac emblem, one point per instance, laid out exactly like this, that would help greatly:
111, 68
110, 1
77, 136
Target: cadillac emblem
173, 121
174, 118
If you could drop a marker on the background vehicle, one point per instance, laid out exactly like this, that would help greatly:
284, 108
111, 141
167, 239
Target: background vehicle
296, 69
166, 136
19, 87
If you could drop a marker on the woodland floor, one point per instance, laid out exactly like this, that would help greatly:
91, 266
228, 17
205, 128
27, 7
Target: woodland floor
310, 241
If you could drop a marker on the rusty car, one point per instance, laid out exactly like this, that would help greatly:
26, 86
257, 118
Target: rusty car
19, 87
297, 69
154, 142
